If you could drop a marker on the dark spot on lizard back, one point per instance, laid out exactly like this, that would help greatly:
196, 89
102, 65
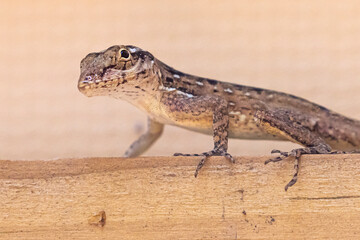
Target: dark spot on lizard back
212, 82
249, 89
186, 90
183, 89
170, 80
323, 108
187, 83
258, 90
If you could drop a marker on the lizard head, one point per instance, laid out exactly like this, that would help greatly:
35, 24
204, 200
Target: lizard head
117, 68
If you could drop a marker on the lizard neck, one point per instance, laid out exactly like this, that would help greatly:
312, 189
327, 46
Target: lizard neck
186, 84
142, 90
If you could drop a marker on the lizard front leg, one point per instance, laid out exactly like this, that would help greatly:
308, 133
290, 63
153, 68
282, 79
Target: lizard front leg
218, 108
153, 132
296, 128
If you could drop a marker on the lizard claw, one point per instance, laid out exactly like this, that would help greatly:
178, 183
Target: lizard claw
275, 151
276, 159
229, 157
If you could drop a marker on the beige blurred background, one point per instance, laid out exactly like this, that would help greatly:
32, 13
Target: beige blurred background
308, 48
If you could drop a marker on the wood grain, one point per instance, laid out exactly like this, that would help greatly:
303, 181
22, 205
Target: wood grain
158, 198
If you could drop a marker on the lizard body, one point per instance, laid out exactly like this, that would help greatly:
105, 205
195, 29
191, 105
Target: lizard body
221, 109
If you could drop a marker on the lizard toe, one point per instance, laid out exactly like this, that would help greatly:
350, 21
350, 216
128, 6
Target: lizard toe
187, 154
229, 157
280, 152
276, 159
283, 155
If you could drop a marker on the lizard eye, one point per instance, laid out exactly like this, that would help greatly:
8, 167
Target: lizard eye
124, 54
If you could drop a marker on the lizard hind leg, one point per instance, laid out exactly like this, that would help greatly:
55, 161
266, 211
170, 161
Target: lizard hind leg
294, 127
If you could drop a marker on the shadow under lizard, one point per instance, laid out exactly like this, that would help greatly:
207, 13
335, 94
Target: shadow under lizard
213, 107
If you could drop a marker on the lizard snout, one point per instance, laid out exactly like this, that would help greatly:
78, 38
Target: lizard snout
86, 83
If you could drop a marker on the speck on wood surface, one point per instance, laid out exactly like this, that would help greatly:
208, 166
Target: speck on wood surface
158, 198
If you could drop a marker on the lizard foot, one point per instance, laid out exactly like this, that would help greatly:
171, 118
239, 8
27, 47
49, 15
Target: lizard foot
284, 155
205, 156
297, 153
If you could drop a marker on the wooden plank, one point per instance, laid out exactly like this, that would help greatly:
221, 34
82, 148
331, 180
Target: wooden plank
158, 198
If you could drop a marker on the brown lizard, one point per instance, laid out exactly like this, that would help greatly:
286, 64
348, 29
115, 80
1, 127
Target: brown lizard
213, 107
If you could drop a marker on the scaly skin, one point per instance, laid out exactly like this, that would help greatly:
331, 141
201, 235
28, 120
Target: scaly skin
213, 107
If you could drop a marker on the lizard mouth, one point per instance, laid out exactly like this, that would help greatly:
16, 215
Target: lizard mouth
100, 83
90, 84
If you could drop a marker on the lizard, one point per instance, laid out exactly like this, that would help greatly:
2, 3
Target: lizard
221, 109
